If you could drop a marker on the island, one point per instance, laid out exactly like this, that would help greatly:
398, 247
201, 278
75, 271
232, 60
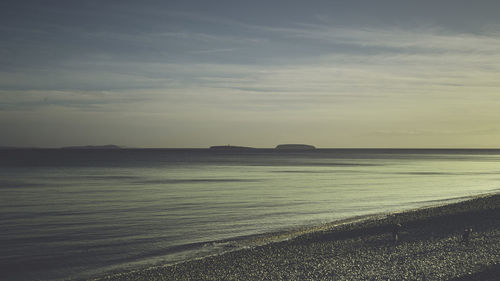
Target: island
108, 146
230, 148
294, 147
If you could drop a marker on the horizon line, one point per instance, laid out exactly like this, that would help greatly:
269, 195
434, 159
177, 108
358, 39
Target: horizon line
117, 147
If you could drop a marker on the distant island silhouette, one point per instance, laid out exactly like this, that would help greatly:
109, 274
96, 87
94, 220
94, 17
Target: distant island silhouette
294, 147
108, 146
230, 148
278, 147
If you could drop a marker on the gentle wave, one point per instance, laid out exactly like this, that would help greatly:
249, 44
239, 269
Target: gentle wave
98, 212
170, 181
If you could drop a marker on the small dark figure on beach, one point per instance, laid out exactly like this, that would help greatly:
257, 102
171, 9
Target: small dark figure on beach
395, 232
466, 235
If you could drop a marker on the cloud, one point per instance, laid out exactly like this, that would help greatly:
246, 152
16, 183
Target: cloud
397, 39
79, 100
440, 132
379, 80
211, 51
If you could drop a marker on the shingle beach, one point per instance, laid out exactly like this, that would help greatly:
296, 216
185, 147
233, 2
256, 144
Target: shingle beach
430, 247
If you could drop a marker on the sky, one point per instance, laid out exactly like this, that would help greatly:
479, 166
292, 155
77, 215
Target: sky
334, 74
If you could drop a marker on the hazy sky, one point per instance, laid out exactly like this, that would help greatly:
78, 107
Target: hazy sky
257, 73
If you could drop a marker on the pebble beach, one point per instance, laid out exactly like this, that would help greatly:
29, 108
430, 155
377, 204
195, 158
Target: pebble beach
430, 247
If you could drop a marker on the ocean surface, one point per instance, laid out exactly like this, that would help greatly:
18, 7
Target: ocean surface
76, 214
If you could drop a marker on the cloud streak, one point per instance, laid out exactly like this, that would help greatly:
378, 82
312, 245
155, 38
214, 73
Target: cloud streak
188, 67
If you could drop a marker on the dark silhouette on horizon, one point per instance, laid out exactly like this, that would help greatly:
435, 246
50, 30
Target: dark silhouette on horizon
295, 146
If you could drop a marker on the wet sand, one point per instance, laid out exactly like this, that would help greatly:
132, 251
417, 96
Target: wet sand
430, 247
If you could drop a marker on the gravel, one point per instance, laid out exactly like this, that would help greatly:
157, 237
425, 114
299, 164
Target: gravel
430, 248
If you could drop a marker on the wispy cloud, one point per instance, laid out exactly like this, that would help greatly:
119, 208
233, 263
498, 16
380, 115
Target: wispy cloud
398, 39
211, 51
79, 100
383, 80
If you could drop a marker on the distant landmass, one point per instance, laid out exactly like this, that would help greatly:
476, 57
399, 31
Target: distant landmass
278, 147
109, 146
295, 147
18, 147
230, 148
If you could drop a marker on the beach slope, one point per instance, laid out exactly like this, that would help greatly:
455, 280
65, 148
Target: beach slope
430, 247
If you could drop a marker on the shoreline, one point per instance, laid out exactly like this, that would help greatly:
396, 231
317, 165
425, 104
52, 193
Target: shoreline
430, 248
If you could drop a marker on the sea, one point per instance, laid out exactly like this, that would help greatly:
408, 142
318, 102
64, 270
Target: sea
74, 214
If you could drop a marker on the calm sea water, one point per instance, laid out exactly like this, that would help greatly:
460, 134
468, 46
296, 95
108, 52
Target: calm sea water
73, 214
